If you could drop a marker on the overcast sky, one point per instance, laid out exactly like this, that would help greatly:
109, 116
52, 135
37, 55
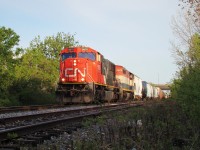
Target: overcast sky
133, 33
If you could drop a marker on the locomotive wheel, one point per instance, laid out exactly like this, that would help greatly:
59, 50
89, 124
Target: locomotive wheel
132, 97
121, 95
102, 96
60, 98
99, 96
88, 98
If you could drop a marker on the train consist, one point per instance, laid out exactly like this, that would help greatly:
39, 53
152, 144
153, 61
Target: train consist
86, 76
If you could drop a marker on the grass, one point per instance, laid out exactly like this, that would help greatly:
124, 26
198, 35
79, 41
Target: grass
163, 125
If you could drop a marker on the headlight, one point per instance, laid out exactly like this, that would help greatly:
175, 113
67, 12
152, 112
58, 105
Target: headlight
63, 79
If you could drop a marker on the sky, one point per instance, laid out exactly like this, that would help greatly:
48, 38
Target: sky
133, 33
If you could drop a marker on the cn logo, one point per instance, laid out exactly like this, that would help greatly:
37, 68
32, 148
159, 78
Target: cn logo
76, 70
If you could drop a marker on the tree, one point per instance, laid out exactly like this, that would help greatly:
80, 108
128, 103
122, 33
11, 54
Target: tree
38, 71
52, 45
8, 40
49, 50
35, 78
192, 7
185, 87
194, 50
184, 28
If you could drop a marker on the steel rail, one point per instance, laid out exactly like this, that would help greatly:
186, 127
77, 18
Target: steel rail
27, 129
59, 112
27, 108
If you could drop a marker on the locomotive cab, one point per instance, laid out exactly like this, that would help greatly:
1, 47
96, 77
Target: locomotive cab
80, 65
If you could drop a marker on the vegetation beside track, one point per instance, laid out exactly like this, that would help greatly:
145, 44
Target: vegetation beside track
185, 88
28, 76
161, 126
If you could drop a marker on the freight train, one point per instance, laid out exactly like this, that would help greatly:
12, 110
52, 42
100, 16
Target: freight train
86, 76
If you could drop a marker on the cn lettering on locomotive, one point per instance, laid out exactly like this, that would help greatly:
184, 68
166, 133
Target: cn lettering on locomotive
75, 71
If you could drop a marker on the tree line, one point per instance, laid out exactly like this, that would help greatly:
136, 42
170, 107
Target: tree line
185, 87
29, 75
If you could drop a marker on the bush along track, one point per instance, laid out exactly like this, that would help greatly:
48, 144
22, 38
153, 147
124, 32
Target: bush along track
159, 126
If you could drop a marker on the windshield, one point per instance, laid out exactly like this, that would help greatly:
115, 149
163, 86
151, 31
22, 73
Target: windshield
88, 55
68, 55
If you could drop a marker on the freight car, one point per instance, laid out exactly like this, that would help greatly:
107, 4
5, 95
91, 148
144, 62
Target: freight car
151, 92
138, 87
86, 76
147, 92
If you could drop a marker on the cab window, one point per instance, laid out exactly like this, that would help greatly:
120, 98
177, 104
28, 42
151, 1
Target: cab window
88, 55
68, 55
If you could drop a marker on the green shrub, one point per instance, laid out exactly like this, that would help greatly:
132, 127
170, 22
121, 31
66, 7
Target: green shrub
5, 102
29, 97
157, 126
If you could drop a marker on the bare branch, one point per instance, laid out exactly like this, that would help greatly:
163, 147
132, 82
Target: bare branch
184, 27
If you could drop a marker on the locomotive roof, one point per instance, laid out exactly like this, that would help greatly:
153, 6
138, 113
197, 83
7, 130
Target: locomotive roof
127, 70
78, 49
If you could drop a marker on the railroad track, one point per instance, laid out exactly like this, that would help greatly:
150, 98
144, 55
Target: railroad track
19, 126
28, 108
